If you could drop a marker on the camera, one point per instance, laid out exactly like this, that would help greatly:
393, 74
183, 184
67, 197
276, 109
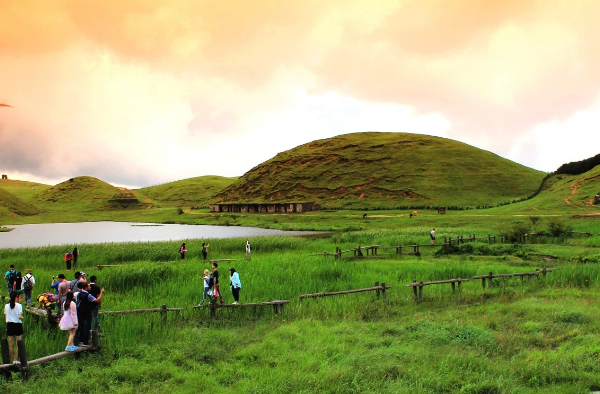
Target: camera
53, 277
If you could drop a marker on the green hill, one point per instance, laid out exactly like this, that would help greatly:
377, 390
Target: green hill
12, 204
87, 193
564, 193
385, 170
188, 191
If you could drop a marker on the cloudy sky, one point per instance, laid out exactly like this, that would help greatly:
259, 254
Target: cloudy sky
142, 92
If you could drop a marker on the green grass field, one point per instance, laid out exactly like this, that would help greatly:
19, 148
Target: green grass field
525, 336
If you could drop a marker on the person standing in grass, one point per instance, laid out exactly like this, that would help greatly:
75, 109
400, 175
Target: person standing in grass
63, 289
68, 260
235, 284
248, 251
204, 250
11, 278
95, 291
69, 321
28, 283
75, 257
207, 285
215, 282
182, 251
84, 311
13, 312
432, 235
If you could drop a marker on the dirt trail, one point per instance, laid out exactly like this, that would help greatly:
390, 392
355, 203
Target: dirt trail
573, 188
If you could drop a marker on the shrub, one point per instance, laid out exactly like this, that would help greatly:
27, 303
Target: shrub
557, 228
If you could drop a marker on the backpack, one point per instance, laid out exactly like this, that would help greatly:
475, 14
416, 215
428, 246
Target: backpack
28, 283
12, 276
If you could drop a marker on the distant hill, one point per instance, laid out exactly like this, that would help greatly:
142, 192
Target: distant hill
385, 170
86, 192
196, 190
14, 205
579, 167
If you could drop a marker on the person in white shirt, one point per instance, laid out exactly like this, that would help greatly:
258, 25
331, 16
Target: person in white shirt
14, 324
27, 286
432, 235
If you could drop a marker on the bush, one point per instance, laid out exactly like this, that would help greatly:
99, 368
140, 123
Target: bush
514, 233
557, 228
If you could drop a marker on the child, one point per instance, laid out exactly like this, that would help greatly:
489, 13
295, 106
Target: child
69, 321
14, 324
207, 285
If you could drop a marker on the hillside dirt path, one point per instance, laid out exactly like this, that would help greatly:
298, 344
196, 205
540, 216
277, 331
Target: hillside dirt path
573, 188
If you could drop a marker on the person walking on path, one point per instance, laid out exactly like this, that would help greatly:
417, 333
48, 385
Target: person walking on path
215, 282
11, 278
432, 235
75, 257
207, 285
69, 320
182, 251
18, 282
248, 251
63, 289
13, 312
28, 284
95, 291
235, 285
204, 250
84, 311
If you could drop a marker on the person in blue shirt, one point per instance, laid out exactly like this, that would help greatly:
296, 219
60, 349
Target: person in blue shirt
235, 285
11, 278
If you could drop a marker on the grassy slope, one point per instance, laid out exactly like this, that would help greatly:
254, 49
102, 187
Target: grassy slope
385, 170
578, 190
192, 190
11, 204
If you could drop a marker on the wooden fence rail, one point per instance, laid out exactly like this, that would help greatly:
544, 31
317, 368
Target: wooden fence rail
277, 306
7, 367
491, 275
379, 289
420, 285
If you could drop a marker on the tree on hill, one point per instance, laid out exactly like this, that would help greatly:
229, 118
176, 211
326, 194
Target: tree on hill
579, 167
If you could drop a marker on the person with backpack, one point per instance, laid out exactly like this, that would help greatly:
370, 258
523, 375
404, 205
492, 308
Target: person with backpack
18, 282
85, 302
182, 251
28, 283
11, 278
13, 312
73, 283
215, 282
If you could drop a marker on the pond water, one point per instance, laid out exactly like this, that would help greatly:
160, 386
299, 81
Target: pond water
34, 235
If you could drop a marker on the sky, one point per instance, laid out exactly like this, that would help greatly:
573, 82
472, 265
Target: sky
143, 92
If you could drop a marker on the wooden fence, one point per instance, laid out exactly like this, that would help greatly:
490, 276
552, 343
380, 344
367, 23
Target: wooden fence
419, 285
377, 288
276, 304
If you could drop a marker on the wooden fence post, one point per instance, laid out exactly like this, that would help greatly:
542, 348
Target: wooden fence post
213, 308
163, 312
5, 352
23, 357
377, 291
490, 280
420, 291
383, 290
453, 287
415, 288
95, 338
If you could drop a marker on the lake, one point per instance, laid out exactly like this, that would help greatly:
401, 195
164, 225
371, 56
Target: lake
34, 235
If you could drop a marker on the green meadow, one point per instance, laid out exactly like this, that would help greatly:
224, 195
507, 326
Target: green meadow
530, 336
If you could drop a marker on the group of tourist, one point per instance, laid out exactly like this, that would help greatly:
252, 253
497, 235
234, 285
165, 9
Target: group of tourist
77, 303
212, 288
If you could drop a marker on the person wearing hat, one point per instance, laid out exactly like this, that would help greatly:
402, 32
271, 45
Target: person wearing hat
27, 285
